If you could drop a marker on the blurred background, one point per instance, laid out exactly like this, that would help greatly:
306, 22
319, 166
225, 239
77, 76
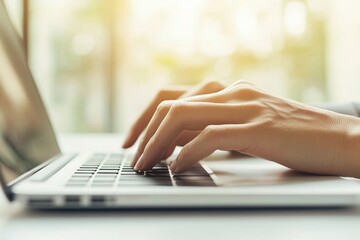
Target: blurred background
98, 63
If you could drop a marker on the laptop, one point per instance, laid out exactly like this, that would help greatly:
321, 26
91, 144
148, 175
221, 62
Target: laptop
36, 173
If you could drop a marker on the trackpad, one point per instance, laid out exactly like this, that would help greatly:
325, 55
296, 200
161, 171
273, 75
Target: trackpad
255, 172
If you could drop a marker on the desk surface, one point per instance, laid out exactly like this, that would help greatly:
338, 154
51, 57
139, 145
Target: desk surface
18, 223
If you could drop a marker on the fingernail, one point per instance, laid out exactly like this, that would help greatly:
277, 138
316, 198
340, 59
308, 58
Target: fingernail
136, 168
139, 164
173, 166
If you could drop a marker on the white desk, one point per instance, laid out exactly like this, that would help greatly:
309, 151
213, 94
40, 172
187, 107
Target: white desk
18, 223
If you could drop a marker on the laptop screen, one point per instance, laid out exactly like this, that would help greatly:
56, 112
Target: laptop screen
26, 136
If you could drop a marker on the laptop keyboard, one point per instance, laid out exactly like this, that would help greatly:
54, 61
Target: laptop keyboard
114, 170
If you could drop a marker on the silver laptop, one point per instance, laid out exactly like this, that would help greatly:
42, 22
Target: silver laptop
35, 171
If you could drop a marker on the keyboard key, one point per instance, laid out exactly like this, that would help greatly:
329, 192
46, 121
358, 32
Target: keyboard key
129, 173
86, 170
151, 174
158, 171
107, 172
128, 170
103, 170
83, 173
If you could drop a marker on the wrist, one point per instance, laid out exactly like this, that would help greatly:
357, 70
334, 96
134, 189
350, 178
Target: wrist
349, 154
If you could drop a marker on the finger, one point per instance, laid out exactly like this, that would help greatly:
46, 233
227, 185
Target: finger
183, 139
186, 137
194, 117
220, 137
169, 152
145, 117
155, 121
162, 111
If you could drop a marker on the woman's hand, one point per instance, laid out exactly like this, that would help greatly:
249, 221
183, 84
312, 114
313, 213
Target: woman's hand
244, 118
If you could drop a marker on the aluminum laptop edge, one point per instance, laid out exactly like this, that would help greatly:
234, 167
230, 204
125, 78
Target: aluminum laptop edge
35, 172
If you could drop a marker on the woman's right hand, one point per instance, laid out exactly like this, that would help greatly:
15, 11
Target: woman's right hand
249, 120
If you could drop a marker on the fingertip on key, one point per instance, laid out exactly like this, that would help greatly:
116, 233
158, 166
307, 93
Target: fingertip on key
136, 167
139, 165
174, 167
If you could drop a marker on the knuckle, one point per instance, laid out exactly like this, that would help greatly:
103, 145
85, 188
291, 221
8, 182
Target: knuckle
164, 94
176, 108
245, 91
160, 94
210, 131
242, 82
164, 106
212, 86
211, 134
185, 150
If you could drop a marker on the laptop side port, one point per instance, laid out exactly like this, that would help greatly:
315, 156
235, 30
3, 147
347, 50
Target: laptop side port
72, 201
98, 201
40, 202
